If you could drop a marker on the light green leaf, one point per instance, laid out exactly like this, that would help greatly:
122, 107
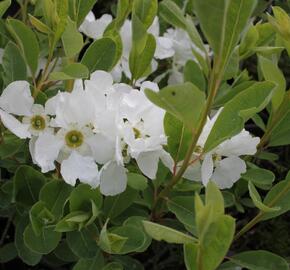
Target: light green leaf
70, 72
171, 13
222, 22
256, 198
272, 73
184, 101
237, 111
82, 8
100, 55
193, 73
145, 10
4, 5
39, 25
261, 178
27, 42
169, 235
72, 39
256, 260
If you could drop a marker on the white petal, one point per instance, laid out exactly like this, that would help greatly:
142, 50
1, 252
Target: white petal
164, 48
16, 98
32, 142
228, 171
15, 126
193, 172
176, 77
113, 179
206, 169
46, 151
150, 85
148, 163
242, 144
79, 167
167, 160
102, 148
154, 28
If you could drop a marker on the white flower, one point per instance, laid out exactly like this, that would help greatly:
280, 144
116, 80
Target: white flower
95, 28
16, 100
223, 164
163, 49
141, 131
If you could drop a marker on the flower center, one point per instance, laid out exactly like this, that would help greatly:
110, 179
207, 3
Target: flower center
38, 122
74, 139
137, 133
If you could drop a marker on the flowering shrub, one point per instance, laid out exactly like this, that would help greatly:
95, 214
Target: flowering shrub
135, 127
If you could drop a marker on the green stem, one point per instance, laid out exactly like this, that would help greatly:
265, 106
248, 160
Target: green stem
215, 81
260, 215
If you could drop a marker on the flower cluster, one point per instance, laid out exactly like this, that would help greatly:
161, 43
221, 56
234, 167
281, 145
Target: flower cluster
91, 132
99, 127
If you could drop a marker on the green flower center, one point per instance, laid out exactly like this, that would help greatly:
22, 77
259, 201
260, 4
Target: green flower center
74, 139
38, 122
137, 133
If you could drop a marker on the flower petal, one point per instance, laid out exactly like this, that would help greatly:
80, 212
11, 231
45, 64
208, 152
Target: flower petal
16, 98
242, 144
206, 169
80, 167
46, 151
15, 126
148, 163
102, 148
113, 179
228, 171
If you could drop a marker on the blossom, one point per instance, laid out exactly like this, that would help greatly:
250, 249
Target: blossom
95, 28
163, 49
222, 164
19, 113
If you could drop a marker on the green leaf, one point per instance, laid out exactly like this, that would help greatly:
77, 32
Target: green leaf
90, 264
137, 181
10, 146
27, 184
183, 208
27, 42
27, 256
216, 242
115, 205
39, 25
13, 64
193, 74
70, 72
190, 256
272, 73
261, 178
223, 24
140, 60
256, 198
40, 216
8, 252
100, 55
64, 253
134, 236
278, 196
81, 197
46, 242
82, 8
54, 194
257, 260
237, 111
178, 137
72, 39
83, 243
169, 235
184, 101
281, 133
171, 13
113, 266
145, 10
215, 199
4, 5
